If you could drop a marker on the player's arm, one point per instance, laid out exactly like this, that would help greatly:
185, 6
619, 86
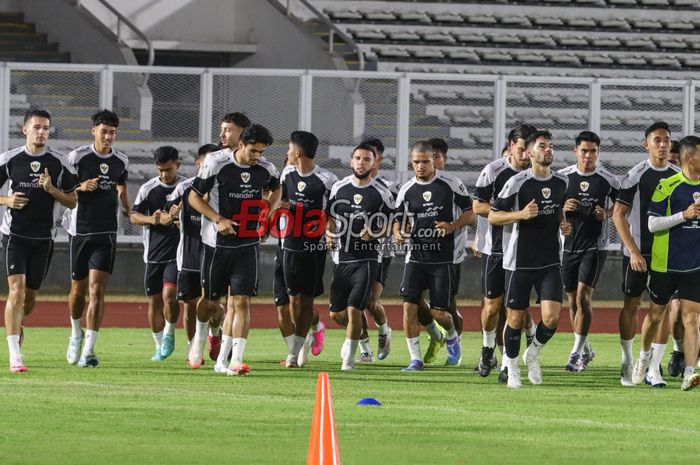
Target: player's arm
273, 197
123, 195
67, 199
482, 208
505, 217
620, 210
225, 226
16, 201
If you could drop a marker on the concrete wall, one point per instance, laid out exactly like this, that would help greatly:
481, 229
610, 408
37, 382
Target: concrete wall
10, 5
129, 269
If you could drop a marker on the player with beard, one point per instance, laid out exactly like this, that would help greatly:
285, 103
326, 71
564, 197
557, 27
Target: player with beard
359, 210
439, 208
530, 207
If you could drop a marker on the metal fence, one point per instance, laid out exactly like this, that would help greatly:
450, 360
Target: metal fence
183, 107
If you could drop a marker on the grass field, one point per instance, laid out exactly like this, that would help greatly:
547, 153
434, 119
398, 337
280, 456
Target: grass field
133, 411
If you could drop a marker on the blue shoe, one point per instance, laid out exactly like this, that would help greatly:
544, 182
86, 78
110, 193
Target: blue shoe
573, 362
454, 352
415, 365
654, 379
157, 356
168, 346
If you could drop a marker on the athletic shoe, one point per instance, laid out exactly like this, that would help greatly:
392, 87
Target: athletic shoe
454, 352
384, 345
503, 376
689, 382
319, 340
583, 362
640, 370
221, 369
626, 376
435, 346
654, 379
303, 356
75, 345
89, 361
348, 365
677, 364
534, 372
291, 361
415, 365
590, 355
168, 346
17, 365
214, 346
195, 359
366, 357
514, 381
487, 361
236, 369
157, 356
573, 362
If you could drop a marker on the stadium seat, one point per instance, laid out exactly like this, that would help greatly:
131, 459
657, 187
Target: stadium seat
438, 37
539, 41
379, 15
446, 17
471, 38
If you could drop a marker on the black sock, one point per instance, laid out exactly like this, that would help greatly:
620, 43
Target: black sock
543, 334
511, 340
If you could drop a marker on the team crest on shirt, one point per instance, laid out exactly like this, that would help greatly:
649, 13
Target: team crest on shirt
245, 176
301, 185
584, 186
104, 167
546, 192
427, 195
35, 165
696, 197
357, 198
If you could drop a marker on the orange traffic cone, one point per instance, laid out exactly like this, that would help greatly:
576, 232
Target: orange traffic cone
323, 445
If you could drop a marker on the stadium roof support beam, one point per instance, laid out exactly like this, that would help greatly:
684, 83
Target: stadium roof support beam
594, 107
689, 108
402, 124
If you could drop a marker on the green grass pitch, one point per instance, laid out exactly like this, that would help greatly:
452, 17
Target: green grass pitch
133, 411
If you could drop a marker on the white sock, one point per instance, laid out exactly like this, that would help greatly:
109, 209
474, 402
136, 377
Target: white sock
316, 328
689, 371
297, 344
531, 331
352, 349
202, 327
13, 345
75, 330
169, 328
226, 343
627, 357
489, 338
237, 349
214, 331
536, 346
365, 346
289, 340
511, 364
158, 337
89, 345
678, 345
587, 347
657, 353
644, 355
383, 329
579, 343
414, 348
433, 331
452, 333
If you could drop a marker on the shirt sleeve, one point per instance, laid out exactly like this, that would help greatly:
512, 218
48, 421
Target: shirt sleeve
484, 185
141, 202
68, 181
506, 198
206, 178
659, 201
627, 191
123, 178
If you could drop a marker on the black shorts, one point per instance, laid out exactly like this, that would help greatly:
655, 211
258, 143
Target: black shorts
663, 286
436, 278
189, 285
493, 276
547, 283
159, 275
230, 269
30, 257
383, 270
303, 272
455, 276
95, 252
279, 288
634, 282
582, 267
352, 285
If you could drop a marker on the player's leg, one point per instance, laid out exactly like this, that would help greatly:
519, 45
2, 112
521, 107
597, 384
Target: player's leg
338, 299
690, 312
412, 285
13, 318
217, 311
153, 283
98, 280
376, 309
570, 265
361, 277
171, 309
633, 284
243, 285
284, 313
676, 365
189, 292
300, 274
517, 294
492, 288
440, 287
318, 329
76, 306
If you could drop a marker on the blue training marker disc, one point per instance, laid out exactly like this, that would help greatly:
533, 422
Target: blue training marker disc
369, 401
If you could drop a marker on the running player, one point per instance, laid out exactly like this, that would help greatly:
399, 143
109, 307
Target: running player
359, 211
629, 216
92, 232
674, 212
590, 187
160, 239
489, 183
305, 190
439, 208
38, 179
189, 257
530, 206
235, 182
